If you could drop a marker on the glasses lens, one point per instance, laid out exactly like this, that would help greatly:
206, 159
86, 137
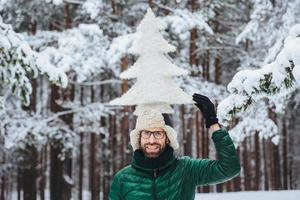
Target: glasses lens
146, 134
158, 134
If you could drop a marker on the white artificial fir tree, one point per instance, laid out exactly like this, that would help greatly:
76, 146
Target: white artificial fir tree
155, 86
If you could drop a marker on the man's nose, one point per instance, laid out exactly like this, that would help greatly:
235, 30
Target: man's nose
152, 138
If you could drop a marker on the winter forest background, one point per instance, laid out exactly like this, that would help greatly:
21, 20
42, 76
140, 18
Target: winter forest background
60, 66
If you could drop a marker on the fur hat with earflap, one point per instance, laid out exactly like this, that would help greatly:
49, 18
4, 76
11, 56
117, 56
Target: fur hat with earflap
152, 118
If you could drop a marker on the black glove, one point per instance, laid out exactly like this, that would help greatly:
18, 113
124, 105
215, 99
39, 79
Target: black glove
207, 108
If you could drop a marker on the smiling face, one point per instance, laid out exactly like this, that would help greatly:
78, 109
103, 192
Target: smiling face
153, 146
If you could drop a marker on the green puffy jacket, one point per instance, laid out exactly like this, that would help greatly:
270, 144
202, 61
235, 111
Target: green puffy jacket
176, 178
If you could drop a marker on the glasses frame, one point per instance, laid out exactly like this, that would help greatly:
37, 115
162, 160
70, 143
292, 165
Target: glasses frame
152, 133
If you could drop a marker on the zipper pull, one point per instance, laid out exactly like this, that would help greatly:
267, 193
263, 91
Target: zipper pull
155, 173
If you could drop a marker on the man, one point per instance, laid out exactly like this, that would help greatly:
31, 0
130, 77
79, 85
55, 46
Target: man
156, 173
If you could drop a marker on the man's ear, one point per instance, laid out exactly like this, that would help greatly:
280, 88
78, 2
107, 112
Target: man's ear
168, 141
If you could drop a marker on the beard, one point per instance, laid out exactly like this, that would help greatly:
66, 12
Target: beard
152, 150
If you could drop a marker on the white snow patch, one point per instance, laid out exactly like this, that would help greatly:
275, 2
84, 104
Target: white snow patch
257, 195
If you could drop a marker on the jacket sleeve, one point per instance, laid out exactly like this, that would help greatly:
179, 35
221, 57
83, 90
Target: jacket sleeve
206, 171
115, 189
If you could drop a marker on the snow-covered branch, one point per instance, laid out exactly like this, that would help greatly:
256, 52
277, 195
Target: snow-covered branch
248, 86
19, 64
112, 81
80, 51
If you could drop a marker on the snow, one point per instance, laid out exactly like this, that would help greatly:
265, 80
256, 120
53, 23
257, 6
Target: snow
20, 64
251, 195
225, 107
262, 124
296, 73
45, 61
119, 48
196, 84
295, 31
92, 7
1, 103
78, 52
246, 80
182, 21
292, 49
267, 28
248, 86
55, 2
260, 14
22, 129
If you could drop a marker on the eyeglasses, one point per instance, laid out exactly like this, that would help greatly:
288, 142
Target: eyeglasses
157, 134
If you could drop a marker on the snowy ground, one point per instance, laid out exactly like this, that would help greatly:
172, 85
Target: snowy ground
253, 195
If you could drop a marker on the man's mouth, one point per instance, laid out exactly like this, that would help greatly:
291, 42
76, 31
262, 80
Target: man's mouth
152, 147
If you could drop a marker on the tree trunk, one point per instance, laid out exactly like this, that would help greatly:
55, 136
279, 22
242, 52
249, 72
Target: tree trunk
293, 127
198, 133
93, 170
237, 181
29, 176
266, 172
246, 165
56, 174
218, 69
277, 173
285, 155
30, 173
183, 129
43, 169
151, 3
68, 19
205, 146
193, 58
189, 135
257, 163
60, 189
112, 136
113, 6
81, 152
124, 122
2, 188
81, 166
19, 183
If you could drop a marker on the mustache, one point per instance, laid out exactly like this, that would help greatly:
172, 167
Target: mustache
152, 144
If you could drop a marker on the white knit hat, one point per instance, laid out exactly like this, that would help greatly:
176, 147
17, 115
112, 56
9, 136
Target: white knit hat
151, 118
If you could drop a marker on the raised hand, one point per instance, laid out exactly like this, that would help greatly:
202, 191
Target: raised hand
207, 108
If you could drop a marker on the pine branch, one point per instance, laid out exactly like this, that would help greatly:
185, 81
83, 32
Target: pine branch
248, 86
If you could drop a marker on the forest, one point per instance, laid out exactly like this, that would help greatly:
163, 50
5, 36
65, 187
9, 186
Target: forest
61, 64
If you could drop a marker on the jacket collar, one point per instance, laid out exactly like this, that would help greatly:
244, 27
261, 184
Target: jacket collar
163, 161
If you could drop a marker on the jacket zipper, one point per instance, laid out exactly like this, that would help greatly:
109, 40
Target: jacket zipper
153, 185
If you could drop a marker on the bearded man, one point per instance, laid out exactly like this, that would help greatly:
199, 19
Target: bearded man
156, 173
